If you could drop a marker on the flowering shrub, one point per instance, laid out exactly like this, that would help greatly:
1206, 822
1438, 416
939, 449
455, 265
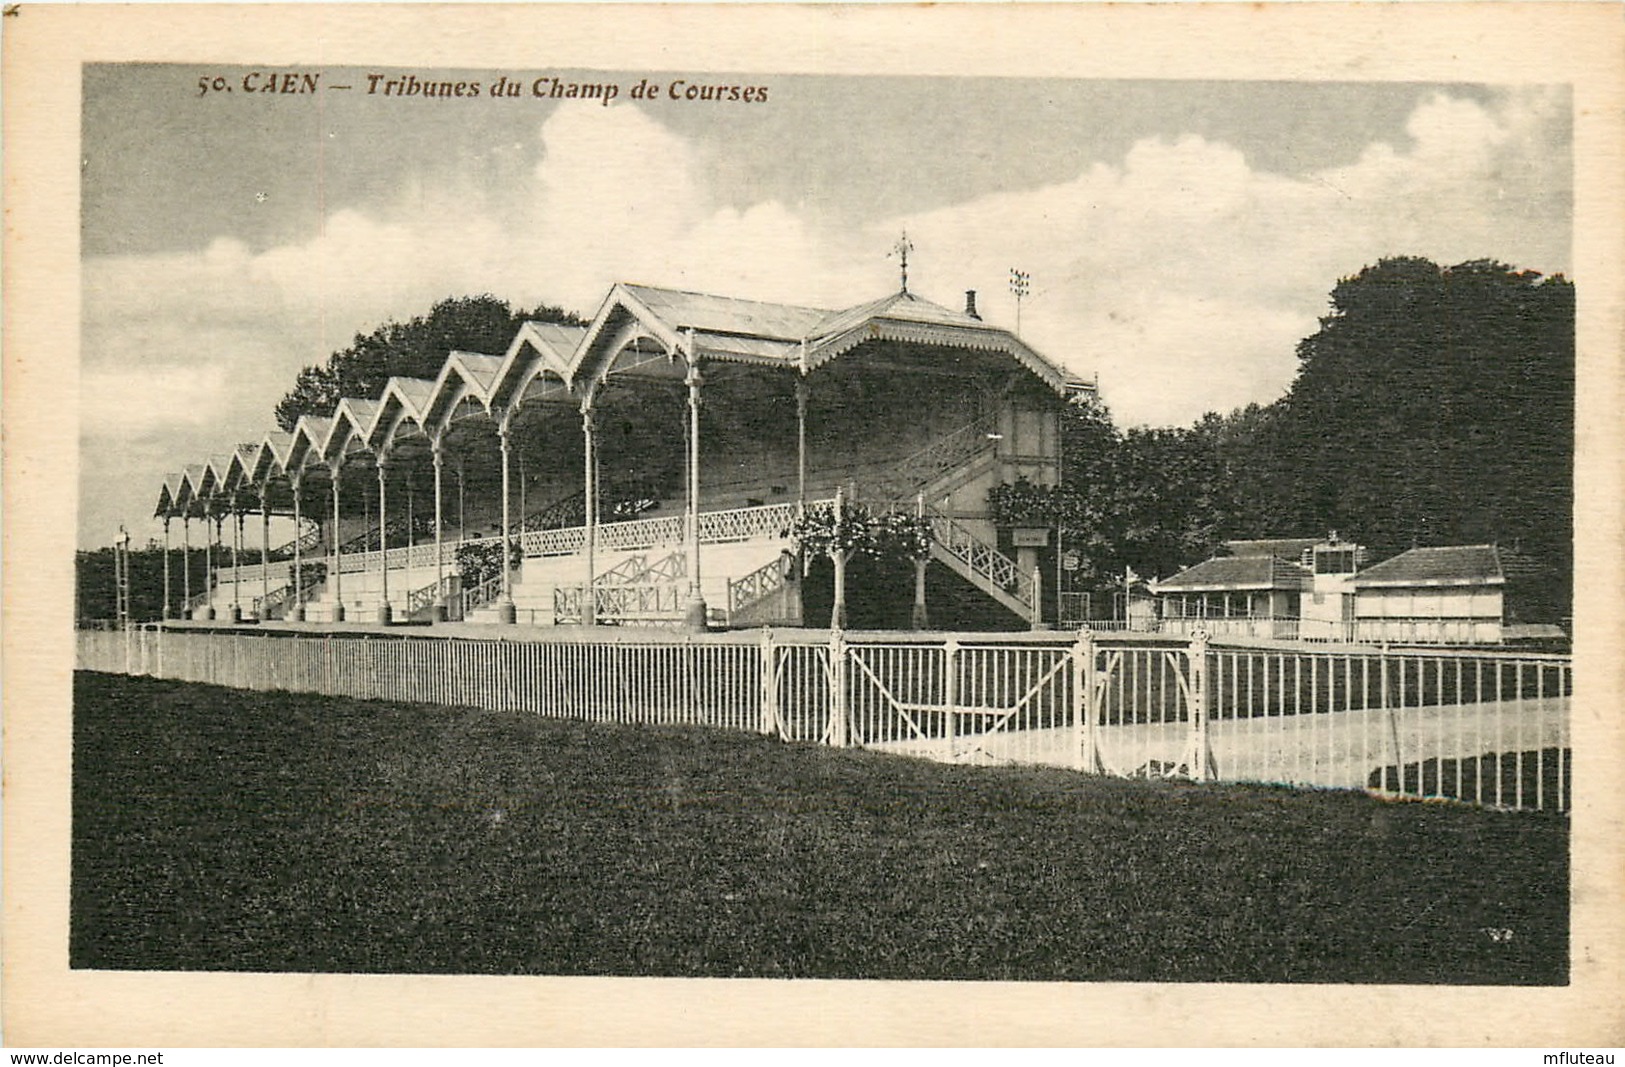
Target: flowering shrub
902, 535
313, 573
858, 532
480, 561
819, 531
1021, 503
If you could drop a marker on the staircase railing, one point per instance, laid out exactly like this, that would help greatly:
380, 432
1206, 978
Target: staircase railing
756, 586
277, 599
943, 454
566, 511
480, 595
362, 542
306, 542
422, 599
638, 570
265, 606
980, 558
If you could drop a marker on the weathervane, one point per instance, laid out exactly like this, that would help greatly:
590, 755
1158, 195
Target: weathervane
902, 248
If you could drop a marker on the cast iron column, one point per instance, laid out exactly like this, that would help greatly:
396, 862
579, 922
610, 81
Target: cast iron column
695, 615
440, 612
385, 614
298, 615
166, 567
589, 501
338, 573
506, 612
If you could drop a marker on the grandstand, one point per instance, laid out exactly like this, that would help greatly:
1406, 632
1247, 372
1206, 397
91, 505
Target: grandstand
644, 469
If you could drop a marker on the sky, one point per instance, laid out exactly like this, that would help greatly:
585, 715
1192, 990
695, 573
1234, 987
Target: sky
1181, 237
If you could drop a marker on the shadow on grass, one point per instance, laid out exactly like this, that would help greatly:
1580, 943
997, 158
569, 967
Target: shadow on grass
223, 830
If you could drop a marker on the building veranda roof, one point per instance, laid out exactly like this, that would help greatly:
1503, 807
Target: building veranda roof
1236, 573
1448, 565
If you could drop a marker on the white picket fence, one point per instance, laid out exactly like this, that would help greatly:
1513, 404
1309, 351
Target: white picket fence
1488, 728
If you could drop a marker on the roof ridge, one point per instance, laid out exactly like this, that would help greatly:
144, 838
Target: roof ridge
719, 296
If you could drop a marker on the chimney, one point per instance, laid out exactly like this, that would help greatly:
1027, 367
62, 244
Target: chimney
970, 304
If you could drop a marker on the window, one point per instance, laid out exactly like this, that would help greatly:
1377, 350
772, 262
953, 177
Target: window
1335, 560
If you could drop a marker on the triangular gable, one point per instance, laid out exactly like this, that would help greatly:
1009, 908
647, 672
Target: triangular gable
192, 480
309, 437
464, 374
908, 318
169, 496
353, 419
216, 472
538, 348
621, 318
243, 461
403, 400
273, 457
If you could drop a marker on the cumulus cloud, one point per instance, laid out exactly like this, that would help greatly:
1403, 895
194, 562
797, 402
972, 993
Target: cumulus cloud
1185, 276
136, 401
1181, 273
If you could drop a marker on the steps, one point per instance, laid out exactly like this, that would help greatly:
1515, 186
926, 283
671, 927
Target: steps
981, 564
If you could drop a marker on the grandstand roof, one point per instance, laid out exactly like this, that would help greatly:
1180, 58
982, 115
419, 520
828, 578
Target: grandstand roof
653, 331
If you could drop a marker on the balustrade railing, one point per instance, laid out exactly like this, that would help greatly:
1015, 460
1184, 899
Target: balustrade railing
641, 602
716, 527
641, 533
563, 541
745, 524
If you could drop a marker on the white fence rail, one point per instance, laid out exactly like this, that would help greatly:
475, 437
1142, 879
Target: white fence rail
1483, 728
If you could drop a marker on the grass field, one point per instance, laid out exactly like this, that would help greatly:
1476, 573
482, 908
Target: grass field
225, 830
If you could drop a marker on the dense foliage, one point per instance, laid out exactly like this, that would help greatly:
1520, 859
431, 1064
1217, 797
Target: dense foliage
96, 594
480, 561
415, 349
1435, 405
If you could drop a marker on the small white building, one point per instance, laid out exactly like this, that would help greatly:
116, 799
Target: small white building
1448, 595
1292, 588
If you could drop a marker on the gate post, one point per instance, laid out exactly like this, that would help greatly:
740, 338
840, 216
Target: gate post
769, 722
950, 695
1198, 756
1085, 754
837, 690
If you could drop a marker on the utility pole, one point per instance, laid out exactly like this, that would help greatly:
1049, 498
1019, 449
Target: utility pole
1020, 286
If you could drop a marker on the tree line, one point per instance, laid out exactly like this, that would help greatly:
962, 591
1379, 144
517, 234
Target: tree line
1434, 406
